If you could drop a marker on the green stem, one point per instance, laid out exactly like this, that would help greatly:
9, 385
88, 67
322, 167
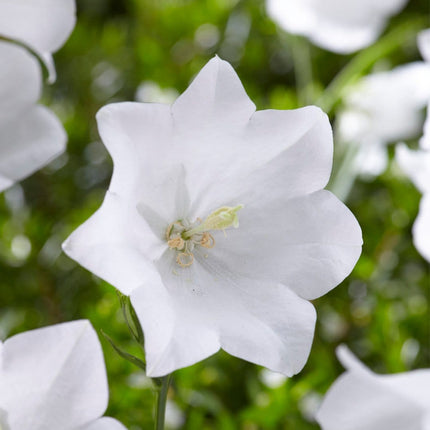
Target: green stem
302, 69
363, 61
161, 402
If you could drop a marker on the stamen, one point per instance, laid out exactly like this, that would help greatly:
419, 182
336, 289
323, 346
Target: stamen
176, 242
183, 236
189, 259
207, 241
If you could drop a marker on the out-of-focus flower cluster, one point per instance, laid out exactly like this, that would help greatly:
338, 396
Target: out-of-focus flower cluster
30, 134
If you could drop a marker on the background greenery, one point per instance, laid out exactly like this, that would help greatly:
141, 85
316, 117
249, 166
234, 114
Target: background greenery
381, 311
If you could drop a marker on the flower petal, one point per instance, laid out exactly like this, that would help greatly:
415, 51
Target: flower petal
338, 26
413, 385
357, 403
416, 165
424, 44
298, 153
42, 25
28, 143
309, 243
116, 244
20, 81
216, 96
421, 228
104, 423
387, 105
205, 306
361, 400
53, 378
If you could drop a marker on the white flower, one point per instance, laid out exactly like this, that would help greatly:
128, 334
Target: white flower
54, 378
272, 379
183, 173
416, 165
382, 108
30, 134
150, 92
337, 25
42, 25
362, 400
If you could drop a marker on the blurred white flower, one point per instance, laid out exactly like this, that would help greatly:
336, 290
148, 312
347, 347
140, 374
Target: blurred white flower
382, 108
150, 92
30, 134
175, 418
54, 378
337, 25
424, 46
362, 400
41, 25
183, 173
272, 379
416, 165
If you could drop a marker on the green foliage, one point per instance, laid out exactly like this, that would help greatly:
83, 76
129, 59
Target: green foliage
380, 311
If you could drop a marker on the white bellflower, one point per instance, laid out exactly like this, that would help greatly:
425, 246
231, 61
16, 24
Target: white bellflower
54, 378
217, 226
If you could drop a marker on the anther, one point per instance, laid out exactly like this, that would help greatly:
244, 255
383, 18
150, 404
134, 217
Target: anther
176, 242
207, 240
189, 258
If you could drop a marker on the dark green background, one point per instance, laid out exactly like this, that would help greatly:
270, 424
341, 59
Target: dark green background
381, 311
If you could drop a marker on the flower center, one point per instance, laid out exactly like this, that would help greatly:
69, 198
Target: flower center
183, 236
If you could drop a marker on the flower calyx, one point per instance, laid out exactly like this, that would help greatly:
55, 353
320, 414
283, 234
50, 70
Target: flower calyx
183, 236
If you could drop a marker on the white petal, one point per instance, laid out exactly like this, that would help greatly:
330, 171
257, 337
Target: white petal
43, 25
147, 149
421, 228
390, 104
204, 306
414, 385
336, 25
361, 400
308, 243
416, 165
298, 153
116, 244
215, 97
424, 44
371, 159
28, 143
20, 81
104, 423
53, 378
355, 402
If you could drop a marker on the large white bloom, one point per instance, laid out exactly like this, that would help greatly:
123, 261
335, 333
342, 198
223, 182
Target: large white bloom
362, 400
42, 25
383, 108
337, 25
182, 173
54, 378
30, 134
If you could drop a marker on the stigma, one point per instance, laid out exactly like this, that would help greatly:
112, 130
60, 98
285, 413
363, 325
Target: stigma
183, 236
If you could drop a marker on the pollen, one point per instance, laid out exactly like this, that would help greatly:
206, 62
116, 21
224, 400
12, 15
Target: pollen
183, 237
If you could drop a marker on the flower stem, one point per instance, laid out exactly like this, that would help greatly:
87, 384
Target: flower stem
363, 61
302, 69
161, 402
